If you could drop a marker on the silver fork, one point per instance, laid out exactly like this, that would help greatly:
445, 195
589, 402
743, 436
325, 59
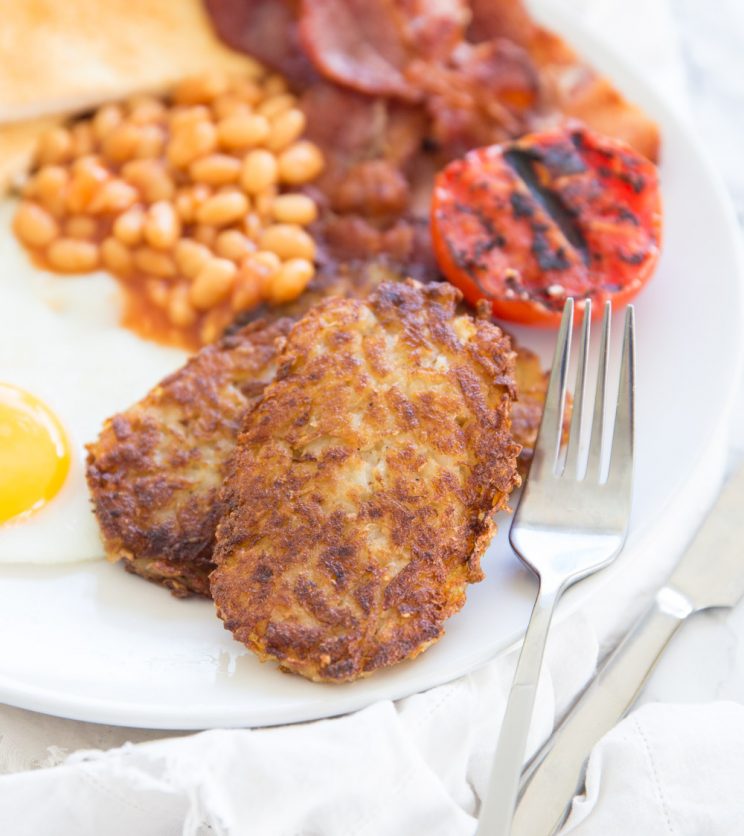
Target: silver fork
570, 522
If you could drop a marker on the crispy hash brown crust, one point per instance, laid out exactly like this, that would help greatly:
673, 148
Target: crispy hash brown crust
360, 497
155, 471
150, 539
357, 279
532, 384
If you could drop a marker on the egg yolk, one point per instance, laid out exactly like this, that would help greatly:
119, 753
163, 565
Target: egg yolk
34, 453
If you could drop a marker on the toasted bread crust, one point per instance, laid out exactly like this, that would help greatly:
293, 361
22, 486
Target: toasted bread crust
360, 496
155, 471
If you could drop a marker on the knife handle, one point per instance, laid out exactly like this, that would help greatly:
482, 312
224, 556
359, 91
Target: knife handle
556, 773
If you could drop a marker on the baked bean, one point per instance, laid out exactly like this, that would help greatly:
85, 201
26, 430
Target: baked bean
144, 110
116, 257
150, 178
242, 130
270, 261
180, 311
158, 292
294, 209
55, 146
113, 196
286, 129
223, 208
158, 187
200, 192
287, 241
215, 169
188, 199
106, 119
195, 139
208, 161
50, 187
272, 106
212, 326
252, 226
90, 167
264, 203
162, 225
121, 143
263, 266
191, 257
259, 171
71, 256
129, 225
213, 284
179, 117
184, 205
290, 280
82, 227
88, 175
151, 141
49, 180
83, 141
248, 90
233, 244
200, 89
246, 293
300, 163
205, 234
34, 225
229, 104
154, 262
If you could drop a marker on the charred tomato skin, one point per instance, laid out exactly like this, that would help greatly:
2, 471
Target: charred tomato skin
528, 223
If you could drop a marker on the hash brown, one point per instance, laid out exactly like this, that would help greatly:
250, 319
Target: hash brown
165, 533
361, 494
156, 469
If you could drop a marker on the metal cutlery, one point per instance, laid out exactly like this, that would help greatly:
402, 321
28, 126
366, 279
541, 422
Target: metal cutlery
710, 574
571, 521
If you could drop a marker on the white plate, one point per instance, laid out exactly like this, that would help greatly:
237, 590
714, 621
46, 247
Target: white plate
90, 642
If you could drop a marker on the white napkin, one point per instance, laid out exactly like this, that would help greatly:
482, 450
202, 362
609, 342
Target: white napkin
666, 769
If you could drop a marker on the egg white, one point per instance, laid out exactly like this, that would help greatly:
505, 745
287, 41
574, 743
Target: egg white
60, 340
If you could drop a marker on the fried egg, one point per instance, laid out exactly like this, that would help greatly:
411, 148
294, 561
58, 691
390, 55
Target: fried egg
66, 364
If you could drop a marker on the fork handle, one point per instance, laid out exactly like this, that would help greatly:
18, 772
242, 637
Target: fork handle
501, 796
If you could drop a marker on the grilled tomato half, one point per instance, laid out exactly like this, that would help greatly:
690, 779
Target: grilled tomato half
528, 223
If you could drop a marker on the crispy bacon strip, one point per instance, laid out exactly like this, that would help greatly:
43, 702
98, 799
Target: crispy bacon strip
572, 88
482, 69
266, 29
368, 45
357, 43
485, 93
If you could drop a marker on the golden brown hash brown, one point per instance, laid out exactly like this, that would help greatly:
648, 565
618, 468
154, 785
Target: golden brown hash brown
156, 470
532, 384
360, 497
165, 533
357, 279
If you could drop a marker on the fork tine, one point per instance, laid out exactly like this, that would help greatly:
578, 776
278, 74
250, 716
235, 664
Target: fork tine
594, 461
574, 433
621, 458
548, 441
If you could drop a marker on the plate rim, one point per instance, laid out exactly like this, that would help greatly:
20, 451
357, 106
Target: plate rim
128, 713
